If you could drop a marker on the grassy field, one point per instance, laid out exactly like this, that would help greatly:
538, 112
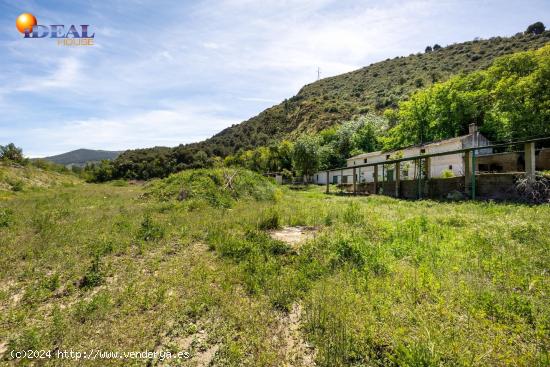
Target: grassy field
383, 282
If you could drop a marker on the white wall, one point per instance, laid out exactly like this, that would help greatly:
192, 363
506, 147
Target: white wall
454, 162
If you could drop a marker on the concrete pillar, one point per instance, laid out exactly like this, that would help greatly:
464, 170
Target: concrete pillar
428, 165
467, 170
530, 160
354, 181
328, 182
376, 179
397, 178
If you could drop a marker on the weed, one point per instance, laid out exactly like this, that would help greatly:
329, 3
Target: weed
17, 185
94, 309
352, 213
269, 220
149, 230
6, 217
93, 276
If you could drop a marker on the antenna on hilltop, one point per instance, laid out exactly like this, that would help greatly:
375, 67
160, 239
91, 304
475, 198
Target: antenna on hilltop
318, 73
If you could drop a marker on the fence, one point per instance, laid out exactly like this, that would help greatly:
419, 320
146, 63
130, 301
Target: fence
422, 171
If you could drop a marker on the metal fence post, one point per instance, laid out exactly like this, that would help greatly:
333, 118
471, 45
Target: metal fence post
354, 182
376, 179
473, 174
397, 178
530, 160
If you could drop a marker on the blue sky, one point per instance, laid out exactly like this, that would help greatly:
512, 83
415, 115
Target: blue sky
165, 73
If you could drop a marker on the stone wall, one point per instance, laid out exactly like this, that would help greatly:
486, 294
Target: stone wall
512, 162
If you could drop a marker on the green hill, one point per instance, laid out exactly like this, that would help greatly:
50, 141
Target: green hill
373, 88
80, 157
331, 101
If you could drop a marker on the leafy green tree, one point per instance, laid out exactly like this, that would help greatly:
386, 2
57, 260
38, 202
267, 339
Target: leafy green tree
305, 157
428, 49
285, 150
200, 159
371, 128
104, 171
11, 153
536, 28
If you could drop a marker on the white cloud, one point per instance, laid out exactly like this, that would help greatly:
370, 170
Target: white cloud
65, 75
164, 127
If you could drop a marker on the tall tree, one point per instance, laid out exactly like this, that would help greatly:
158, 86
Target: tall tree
305, 157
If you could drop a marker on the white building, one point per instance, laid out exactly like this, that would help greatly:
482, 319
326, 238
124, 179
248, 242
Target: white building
438, 165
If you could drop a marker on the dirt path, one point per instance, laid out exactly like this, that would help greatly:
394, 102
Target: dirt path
297, 351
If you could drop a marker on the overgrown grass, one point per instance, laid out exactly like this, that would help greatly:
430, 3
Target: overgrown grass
384, 283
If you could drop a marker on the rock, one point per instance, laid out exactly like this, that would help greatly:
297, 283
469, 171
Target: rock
182, 195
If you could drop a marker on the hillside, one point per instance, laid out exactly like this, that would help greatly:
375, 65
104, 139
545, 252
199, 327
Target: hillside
331, 101
373, 88
15, 178
82, 156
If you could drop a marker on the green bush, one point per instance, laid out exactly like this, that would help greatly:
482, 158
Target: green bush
93, 276
16, 185
215, 187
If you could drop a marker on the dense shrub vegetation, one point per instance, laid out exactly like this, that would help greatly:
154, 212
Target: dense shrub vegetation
509, 101
214, 187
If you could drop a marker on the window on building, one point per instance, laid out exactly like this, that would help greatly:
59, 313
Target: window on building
451, 167
365, 160
344, 179
422, 151
387, 156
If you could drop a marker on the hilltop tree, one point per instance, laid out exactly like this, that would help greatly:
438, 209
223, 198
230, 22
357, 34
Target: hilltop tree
11, 153
536, 28
436, 47
428, 49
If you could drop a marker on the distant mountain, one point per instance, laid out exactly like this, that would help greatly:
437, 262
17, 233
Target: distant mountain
80, 157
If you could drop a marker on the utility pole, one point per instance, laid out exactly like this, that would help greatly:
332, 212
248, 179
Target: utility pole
318, 73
